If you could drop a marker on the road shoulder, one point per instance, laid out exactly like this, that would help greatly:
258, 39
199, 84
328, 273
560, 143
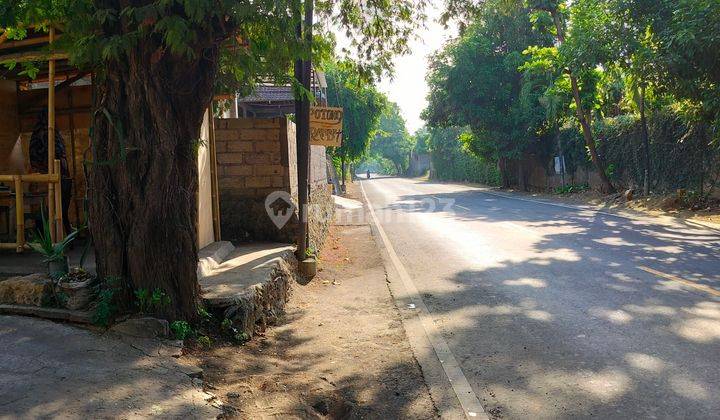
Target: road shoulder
449, 388
340, 351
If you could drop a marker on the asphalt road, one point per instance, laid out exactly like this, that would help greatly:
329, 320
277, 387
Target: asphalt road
555, 312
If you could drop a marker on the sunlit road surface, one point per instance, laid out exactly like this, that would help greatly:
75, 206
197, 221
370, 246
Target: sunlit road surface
555, 312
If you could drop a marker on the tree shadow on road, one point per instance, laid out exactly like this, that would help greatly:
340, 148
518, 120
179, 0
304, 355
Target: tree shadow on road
561, 320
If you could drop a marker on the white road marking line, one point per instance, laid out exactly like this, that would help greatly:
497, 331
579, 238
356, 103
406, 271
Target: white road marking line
460, 385
462, 207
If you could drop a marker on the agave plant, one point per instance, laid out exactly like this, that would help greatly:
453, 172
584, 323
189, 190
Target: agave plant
41, 242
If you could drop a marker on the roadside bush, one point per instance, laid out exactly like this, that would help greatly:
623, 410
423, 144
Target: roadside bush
571, 189
452, 163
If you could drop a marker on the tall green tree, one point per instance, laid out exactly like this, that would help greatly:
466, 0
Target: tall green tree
362, 104
476, 82
605, 34
156, 64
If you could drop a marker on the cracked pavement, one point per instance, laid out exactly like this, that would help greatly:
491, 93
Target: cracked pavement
56, 370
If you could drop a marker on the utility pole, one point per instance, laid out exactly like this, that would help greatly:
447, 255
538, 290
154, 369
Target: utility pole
303, 70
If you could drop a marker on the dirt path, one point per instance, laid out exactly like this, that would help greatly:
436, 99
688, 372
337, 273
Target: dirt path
341, 352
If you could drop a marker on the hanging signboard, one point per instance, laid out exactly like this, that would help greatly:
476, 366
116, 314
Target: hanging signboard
326, 126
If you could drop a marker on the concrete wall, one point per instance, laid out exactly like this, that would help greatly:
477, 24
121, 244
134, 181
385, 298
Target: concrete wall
205, 228
541, 176
419, 164
257, 157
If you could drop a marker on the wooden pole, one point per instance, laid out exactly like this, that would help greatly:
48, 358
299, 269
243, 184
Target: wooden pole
20, 214
73, 158
302, 117
59, 226
51, 139
213, 178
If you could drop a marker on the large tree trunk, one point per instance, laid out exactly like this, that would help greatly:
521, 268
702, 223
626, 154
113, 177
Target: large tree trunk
144, 181
504, 172
584, 119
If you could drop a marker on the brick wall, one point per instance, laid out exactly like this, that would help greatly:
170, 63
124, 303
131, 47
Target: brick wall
256, 157
250, 157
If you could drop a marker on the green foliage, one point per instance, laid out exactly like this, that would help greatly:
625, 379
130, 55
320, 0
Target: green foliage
182, 330
105, 305
249, 41
452, 162
42, 243
392, 142
571, 189
476, 82
205, 316
377, 165
151, 302
422, 140
204, 341
241, 338
362, 103
230, 331
631, 58
680, 151
310, 252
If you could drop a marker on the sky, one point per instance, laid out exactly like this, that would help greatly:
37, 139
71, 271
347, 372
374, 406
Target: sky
408, 87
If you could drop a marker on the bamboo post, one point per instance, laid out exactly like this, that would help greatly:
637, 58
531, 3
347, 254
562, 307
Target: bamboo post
51, 138
20, 213
59, 227
213, 177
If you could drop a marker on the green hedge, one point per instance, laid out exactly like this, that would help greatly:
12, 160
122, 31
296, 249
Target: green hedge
452, 163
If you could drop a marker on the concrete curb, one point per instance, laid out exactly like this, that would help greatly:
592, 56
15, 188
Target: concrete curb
210, 257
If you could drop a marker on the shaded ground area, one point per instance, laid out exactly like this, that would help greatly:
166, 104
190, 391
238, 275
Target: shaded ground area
57, 371
29, 262
341, 350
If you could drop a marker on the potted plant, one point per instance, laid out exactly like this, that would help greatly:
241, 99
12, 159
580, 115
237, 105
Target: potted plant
76, 290
73, 289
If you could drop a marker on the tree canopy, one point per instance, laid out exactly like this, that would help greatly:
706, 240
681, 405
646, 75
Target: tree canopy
392, 140
156, 65
475, 82
581, 63
363, 105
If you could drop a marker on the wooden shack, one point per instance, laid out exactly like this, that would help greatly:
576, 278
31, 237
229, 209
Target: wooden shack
65, 94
